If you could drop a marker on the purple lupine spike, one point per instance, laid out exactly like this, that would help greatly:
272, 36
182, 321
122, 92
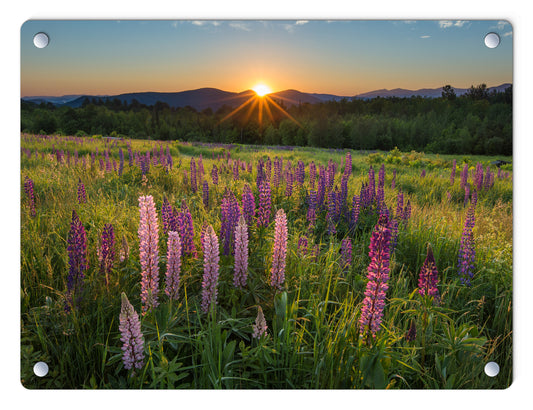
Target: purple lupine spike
464, 176
265, 204
344, 191
166, 215
107, 252
101, 164
423, 174
211, 268
474, 199
380, 197
399, 206
172, 282
478, 179
406, 212
279, 251
186, 230
302, 246
230, 213
132, 337
77, 259
260, 327
348, 164
260, 173
205, 194
467, 251
346, 253
121, 162
241, 253
148, 252
300, 173
355, 211
312, 175
378, 275
467, 195
28, 188
311, 210
194, 185
330, 216
429, 276
236, 171
248, 205
452, 173
214, 174
82, 196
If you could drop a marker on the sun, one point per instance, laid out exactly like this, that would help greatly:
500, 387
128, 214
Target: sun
261, 90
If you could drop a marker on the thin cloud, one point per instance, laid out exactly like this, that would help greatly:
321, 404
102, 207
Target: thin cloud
425, 36
450, 23
201, 23
240, 26
501, 25
301, 22
509, 33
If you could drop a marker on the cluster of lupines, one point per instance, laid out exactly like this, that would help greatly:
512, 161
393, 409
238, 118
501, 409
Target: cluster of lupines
467, 251
173, 265
230, 213
312, 175
28, 188
248, 205
211, 269
265, 205
279, 251
378, 275
131, 336
107, 252
478, 179
149, 252
429, 276
77, 260
464, 176
241, 253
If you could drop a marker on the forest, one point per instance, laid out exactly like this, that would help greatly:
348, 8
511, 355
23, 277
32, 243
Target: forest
477, 123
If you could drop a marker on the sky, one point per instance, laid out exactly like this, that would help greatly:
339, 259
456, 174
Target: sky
335, 57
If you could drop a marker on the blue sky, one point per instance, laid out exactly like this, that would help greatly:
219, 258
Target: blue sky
339, 57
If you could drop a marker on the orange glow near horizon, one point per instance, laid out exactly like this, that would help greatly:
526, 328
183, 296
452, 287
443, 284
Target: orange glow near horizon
262, 89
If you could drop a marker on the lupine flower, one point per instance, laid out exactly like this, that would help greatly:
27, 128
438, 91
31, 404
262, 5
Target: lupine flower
355, 211
229, 217
194, 186
399, 206
300, 173
378, 275
464, 176
479, 176
406, 212
346, 253
279, 251
124, 250
166, 215
214, 175
260, 327
410, 335
467, 251
452, 174
211, 267
423, 173
330, 216
312, 174
28, 188
311, 210
107, 252
265, 204
241, 253
185, 228
205, 194
77, 260
236, 171
429, 276
173, 265
248, 205
302, 245
132, 337
260, 174
348, 164
467, 195
474, 199
149, 252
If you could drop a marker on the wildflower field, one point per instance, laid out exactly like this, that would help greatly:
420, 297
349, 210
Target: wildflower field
156, 264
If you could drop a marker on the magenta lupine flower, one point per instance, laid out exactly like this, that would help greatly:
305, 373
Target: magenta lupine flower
277, 172
479, 176
214, 174
452, 174
467, 251
265, 204
346, 253
77, 260
205, 194
300, 173
474, 199
429, 276
355, 211
260, 327
378, 275
236, 171
173, 265
348, 164
241, 253
248, 205
28, 188
107, 252
148, 252
260, 177
230, 213
464, 176
423, 173
279, 251
211, 267
132, 337
166, 215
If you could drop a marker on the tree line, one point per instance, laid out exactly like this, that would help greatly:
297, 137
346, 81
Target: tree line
478, 122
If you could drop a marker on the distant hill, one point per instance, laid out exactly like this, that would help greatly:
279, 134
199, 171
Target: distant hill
214, 98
